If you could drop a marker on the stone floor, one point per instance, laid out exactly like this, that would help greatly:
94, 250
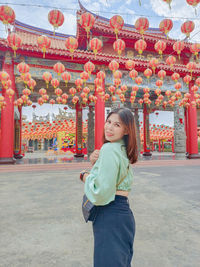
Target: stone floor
41, 223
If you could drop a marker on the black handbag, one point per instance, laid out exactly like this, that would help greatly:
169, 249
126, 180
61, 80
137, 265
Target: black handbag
89, 210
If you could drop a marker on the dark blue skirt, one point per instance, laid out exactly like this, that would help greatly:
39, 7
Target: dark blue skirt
114, 231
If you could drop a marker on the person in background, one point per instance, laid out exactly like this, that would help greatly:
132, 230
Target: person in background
108, 185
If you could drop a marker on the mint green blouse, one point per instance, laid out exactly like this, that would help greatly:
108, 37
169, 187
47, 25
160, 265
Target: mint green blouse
109, 169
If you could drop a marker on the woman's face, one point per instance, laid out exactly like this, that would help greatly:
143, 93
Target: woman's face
114, 129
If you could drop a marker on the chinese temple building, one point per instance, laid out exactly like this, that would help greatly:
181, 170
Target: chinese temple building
154, 89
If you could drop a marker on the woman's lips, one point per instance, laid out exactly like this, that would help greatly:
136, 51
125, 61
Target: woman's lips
109, 134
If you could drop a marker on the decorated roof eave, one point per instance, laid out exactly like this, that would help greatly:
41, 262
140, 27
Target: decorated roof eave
81, 56
19, 26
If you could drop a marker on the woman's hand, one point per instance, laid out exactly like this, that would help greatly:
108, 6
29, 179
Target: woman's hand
94, 156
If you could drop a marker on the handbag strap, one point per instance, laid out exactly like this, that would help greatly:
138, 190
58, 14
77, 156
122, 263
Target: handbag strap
122, 178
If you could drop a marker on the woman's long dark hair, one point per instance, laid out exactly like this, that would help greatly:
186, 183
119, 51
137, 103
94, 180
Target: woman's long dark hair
130, 140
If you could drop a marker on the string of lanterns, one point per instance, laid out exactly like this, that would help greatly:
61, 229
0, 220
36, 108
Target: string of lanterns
82, 94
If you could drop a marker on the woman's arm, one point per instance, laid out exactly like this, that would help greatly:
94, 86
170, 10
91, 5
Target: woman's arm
100, 186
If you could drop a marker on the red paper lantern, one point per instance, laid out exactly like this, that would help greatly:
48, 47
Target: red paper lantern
31, 84
178, 47
175, 76
177, 86
111, 89
168, 93
138, 80
95, 45
160, 46
117, 23
72, 91
133, 74
84, 76
89, 67
55, 83
42, 91
26, 92
113, 65
194, 88
59, 68
14, 41
52, 102
117, 82
187, 79
58, 91
135, 88
44, 43
191, 66
7, 84
25, 77
119, 45
124, 89
47, 77
193, 3
159, 83
87, 21
187, 27
153, 63
130, 64
195, 49
140, 101
75, 99
86, 90
65, 96
4, 76
7, 15
23, 67
140, 46
141, 25
148, 73
79, 83
71, 44
98, 82
117, 74
197, 81
101, 75
161, 74
56, 19
166, 26
66, 76
171, 60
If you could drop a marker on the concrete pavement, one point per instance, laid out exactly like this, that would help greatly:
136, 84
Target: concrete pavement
42, 226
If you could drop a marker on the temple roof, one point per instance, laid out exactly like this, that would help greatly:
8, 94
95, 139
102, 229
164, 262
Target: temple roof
58, 51
127, 27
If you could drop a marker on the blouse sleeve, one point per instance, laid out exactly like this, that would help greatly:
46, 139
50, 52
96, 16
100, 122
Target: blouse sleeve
100, 188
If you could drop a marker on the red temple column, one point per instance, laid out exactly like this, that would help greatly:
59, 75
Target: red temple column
79, 131
146, 146
186, 129
192, 128
7, 118
99, 120
173, 144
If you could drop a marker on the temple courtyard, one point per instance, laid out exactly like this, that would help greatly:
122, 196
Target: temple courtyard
41, 222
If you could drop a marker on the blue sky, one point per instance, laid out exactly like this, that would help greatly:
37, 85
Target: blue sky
130, 10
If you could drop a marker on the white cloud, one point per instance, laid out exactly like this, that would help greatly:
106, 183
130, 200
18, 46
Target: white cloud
180, 12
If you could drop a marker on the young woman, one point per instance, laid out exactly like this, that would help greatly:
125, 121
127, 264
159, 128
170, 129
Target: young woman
107, 186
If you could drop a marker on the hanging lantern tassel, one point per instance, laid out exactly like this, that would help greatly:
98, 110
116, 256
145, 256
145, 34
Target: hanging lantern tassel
44, 51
